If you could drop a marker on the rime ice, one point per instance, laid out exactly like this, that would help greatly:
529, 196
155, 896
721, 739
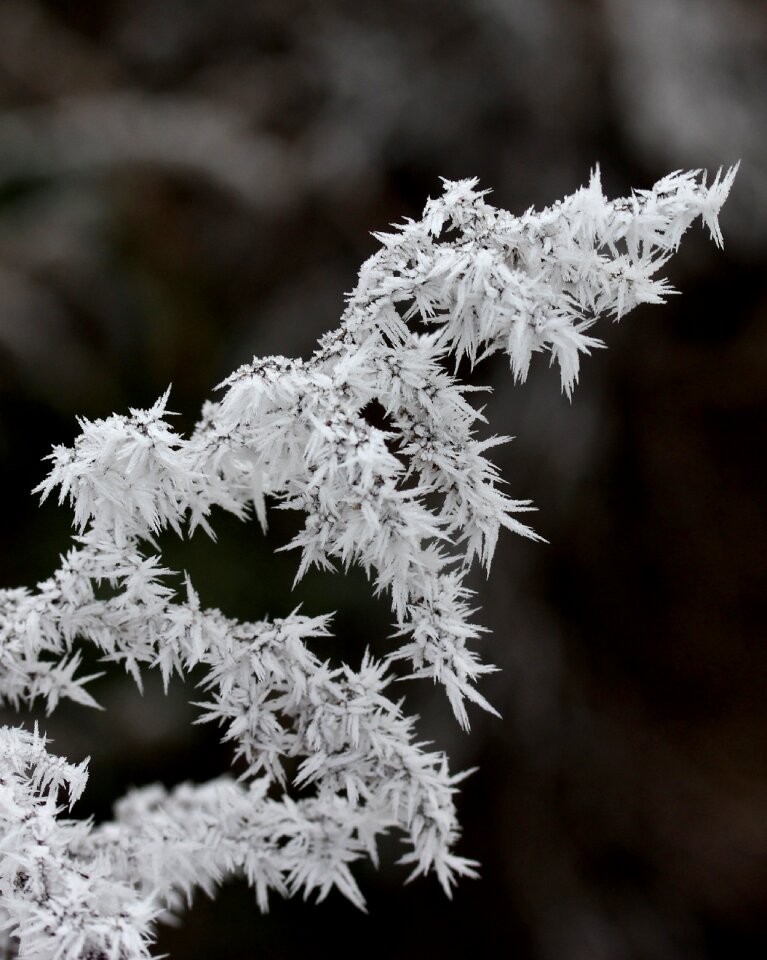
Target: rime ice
414, 505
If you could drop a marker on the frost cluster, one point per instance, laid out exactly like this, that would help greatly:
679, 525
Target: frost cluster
413, 504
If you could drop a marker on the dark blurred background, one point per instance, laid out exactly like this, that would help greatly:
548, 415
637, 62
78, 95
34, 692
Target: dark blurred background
184, 183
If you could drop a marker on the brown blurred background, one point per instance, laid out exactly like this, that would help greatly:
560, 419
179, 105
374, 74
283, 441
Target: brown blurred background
184, 183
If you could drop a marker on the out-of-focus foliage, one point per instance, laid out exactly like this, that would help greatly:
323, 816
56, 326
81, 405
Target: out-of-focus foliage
628, 780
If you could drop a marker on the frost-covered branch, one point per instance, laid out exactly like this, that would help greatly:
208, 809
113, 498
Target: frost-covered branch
413, 503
